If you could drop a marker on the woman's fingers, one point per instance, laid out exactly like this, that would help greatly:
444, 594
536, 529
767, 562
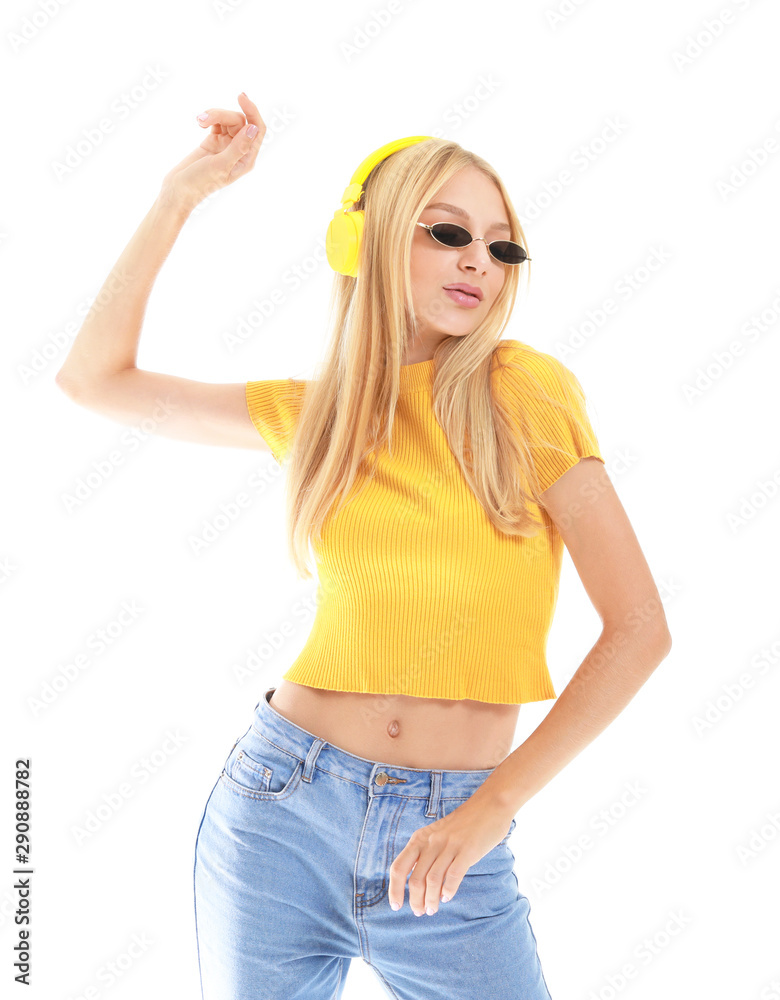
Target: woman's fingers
251, 112
226, 122
240, 155
253, 118
222, 121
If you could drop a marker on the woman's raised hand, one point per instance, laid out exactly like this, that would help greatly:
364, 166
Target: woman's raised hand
227, 153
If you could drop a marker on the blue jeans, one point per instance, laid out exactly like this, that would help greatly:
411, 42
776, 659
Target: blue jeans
291, 878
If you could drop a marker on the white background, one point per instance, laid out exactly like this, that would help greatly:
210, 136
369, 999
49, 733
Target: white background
665, 163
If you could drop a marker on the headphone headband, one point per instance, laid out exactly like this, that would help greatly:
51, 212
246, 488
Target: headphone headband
350, 195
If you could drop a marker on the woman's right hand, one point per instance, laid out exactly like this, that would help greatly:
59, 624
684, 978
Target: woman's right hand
226, 154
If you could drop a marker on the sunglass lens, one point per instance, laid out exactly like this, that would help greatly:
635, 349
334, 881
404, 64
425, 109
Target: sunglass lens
451, 235
508, 252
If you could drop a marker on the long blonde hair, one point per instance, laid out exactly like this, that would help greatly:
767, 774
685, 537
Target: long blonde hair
348, 408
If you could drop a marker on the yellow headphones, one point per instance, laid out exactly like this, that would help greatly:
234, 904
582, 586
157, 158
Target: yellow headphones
342, 241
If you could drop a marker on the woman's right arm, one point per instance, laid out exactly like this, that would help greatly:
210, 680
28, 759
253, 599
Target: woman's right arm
100, 370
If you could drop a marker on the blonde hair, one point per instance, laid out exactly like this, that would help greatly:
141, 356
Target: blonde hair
349, 407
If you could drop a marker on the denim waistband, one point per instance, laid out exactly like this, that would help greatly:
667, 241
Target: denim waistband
378, 777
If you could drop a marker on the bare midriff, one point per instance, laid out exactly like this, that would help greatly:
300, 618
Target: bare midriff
429, 733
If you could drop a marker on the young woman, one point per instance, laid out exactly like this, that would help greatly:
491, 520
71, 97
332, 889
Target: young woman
436, 471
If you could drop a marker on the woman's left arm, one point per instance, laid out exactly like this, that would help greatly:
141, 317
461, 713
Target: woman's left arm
635, 638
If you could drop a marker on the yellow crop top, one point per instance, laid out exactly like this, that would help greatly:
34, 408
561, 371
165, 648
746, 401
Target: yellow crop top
419, 593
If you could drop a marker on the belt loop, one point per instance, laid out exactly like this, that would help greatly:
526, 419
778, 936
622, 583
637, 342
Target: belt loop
311, 758
435, 796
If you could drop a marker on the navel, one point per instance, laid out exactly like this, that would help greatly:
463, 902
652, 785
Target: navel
393, 728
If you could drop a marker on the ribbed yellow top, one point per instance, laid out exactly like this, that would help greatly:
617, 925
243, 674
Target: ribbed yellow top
418, 593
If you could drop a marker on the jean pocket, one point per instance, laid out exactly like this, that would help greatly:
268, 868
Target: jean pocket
260, 769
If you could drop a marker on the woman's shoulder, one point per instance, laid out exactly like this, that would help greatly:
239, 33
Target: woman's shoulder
518, 362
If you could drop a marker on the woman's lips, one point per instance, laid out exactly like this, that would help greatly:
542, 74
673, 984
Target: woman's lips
462, 298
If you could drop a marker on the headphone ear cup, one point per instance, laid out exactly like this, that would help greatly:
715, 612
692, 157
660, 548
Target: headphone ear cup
342, 241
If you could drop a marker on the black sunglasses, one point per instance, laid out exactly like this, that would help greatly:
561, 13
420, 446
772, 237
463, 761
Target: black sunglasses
450, 235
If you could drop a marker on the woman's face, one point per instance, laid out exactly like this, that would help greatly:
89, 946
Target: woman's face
480, 210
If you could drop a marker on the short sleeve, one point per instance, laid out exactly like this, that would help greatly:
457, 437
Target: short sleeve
274, 407
547, 406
